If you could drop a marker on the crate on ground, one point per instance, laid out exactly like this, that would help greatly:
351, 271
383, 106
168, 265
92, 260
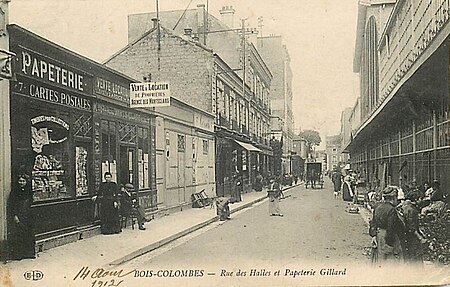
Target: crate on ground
201, 199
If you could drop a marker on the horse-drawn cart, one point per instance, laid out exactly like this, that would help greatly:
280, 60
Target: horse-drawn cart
314, 176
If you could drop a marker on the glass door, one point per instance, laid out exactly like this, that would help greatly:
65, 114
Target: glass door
127, 165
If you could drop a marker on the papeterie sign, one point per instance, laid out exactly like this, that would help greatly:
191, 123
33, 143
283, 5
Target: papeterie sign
146, 95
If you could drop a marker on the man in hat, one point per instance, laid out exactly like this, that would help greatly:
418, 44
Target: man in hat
386, 228
413, 239
130, 204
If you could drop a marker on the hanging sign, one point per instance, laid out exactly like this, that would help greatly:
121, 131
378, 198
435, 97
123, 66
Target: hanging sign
5, 64
147, 95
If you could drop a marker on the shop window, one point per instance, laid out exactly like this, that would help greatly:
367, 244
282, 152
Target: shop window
81, 170
244, 160
82, 125
181, 143
152, 167
205, 146
143, 158
51, 166
127, 132
127, 160
167, 145
194, 149
109, 153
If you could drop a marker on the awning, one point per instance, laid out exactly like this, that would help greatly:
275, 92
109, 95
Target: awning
267, 152
247, 146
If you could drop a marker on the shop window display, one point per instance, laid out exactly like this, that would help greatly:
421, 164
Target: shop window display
81, 162
143, 158
49, 141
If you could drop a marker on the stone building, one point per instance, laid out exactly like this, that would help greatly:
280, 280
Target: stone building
333, 151
276, 55
402, 58
206, 70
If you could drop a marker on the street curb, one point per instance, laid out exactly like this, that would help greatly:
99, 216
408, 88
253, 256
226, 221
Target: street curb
180, 234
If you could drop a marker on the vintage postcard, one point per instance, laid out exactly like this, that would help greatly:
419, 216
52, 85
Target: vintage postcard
224, 143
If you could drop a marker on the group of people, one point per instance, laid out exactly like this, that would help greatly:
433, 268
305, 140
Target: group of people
113, 203
395, 224
274, 193
344, 184
395, 228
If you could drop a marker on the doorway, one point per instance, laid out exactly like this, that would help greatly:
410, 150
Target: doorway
127, 168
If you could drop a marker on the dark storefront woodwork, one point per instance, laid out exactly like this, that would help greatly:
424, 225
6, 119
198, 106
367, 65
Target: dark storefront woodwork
68, 128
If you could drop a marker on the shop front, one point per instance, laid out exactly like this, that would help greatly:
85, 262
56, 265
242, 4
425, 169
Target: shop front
68, 128
51, 135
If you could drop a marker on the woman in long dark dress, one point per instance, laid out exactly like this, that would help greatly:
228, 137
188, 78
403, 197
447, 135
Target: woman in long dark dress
108, 196
21, 234
347, 188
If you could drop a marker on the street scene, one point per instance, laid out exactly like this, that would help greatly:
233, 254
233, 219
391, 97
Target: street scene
224, 143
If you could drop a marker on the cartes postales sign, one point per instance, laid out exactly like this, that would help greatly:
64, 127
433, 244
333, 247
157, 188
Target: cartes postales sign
47, 93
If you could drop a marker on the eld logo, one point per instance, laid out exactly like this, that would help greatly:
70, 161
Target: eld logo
33, 275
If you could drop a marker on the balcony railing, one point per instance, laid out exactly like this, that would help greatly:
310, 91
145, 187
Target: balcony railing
235, 126
223, 121
244, 129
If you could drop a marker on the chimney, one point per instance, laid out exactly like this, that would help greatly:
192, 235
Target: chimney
188, 32
155, 22
227, 16
201, 16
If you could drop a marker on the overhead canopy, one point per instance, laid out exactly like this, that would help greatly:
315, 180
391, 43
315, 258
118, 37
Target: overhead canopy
247, 146
267, 152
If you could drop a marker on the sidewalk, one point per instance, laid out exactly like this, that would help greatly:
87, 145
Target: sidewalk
112, 250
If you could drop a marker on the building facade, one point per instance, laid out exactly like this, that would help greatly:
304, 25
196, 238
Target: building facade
210, 77
405, 129
70, 123
333, 152
276, 55
185, 156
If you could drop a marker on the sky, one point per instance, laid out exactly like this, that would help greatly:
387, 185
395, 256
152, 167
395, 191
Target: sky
319, 35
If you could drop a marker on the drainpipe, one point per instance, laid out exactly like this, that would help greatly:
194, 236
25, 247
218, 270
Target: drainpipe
5, 136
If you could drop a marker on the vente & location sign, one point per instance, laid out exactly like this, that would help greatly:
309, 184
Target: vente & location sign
146, 95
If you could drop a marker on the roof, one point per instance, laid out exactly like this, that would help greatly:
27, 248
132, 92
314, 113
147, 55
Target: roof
66, 50
224, 43
144, 35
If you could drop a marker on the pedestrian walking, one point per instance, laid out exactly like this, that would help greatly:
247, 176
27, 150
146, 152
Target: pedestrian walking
237, 188
337, 182
274, 194
108, 197
387, 229
258, 182
348, 191
21, 235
